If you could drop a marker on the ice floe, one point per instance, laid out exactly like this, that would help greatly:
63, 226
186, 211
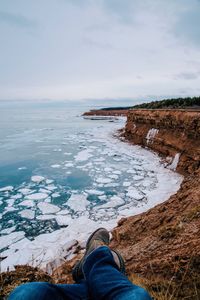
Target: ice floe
56, 166
25, 191
47, 208
83, 155
27, 203
37, 179
27, 213
37, 196
78, 202
6, 188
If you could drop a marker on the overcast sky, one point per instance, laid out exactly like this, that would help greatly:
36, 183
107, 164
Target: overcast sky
75, 49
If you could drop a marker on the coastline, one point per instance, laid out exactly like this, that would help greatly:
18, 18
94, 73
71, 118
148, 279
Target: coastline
147, 232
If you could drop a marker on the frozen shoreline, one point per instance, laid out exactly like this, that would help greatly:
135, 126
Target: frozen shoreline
44, 248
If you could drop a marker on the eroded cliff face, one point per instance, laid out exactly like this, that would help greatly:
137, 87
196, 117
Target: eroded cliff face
162, 245
173, 134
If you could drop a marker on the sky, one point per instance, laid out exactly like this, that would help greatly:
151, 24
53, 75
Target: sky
99, 49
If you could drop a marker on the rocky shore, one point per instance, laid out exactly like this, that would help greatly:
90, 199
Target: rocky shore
161, 247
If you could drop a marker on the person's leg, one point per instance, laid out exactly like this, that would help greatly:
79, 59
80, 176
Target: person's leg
105, 281
48, 291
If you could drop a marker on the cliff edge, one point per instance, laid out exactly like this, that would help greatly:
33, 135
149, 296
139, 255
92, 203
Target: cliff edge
162, 245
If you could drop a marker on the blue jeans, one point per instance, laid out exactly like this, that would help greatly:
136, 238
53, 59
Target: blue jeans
102, 280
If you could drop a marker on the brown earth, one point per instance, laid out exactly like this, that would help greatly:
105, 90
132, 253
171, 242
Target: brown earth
161, 247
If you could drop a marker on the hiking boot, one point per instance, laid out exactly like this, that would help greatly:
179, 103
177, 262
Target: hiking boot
98, 238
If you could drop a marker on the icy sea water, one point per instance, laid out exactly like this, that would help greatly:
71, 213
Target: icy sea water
62, 176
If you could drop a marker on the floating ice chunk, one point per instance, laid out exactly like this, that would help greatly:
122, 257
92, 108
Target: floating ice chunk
113, 176
102, 197
55, 195
112, 184
48, 181
28, 203
9, 209
42, 190
37, 179
126, 183
134, 193
137, 177
8, 230
99, 159
57, 150
37, 196
56, 166
8, 188
117, 172
22, 168
45, 217
78, 202
63, 212
51, 187
17, 196
83, 155
10, 202
63, 219
151, 135
13, 237
25, 191
27, 213
47, 208
95, 192
131, 171
108, 169
175, 162
68, 165
103, 180
67, 153
113, 202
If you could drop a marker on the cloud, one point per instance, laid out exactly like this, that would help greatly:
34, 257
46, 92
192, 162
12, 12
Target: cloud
16, 20
123, 10
187, 76
187, 26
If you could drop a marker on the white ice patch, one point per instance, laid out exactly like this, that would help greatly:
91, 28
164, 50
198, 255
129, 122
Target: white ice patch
47, 208
25, 191
63, 220
56, 166
175, 162
13, 237
69, 165
126, 183
27, 213
45, 217
78, 202
6, 188
113, 202
8, 230
37, 196
134, 193
27, 203
49, 181
55, 195
83, 155
151, 135
95, 192
103, 180
37, 179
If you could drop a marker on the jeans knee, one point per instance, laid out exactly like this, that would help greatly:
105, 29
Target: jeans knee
30, 291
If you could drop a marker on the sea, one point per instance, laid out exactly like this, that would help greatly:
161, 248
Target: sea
62, 176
